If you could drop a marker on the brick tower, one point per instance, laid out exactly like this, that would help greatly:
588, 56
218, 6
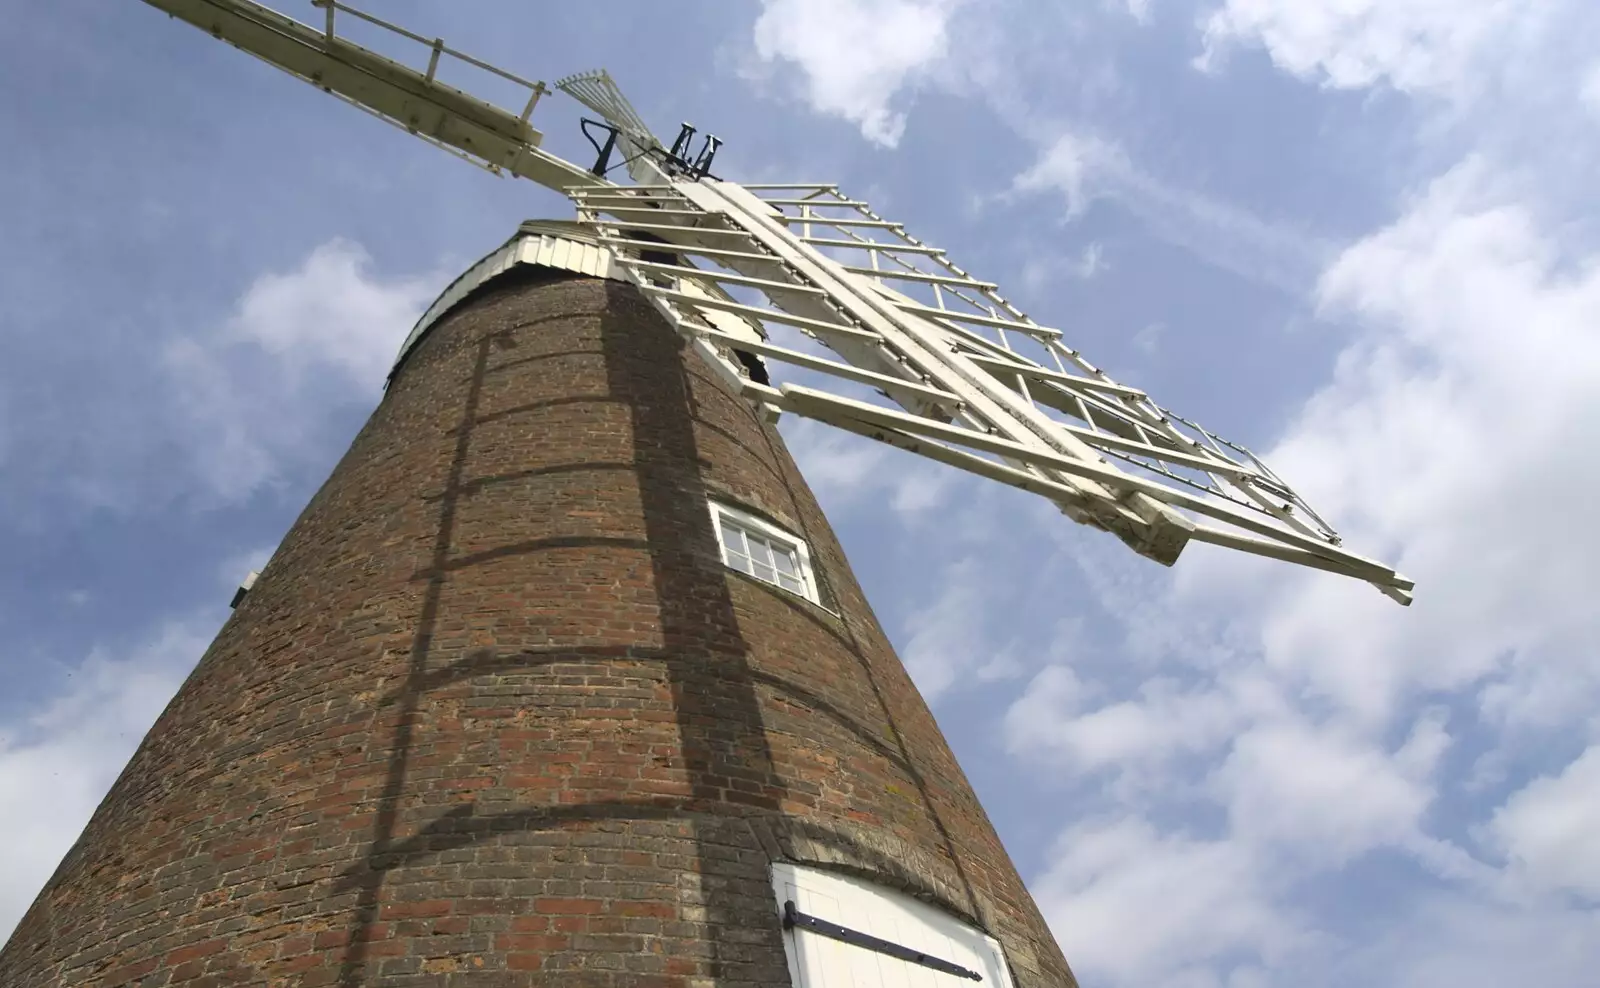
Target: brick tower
498, 712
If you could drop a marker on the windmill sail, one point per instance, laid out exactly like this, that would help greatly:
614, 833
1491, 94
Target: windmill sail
968, 379
951, 369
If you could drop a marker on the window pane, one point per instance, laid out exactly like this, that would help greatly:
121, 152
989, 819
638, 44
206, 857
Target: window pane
784, 559
732, 537
788, 582
766, 573
740, 563
761, 552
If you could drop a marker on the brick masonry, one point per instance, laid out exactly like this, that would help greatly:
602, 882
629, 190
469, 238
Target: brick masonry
495, 714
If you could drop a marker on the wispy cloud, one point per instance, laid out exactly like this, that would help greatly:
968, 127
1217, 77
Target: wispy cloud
1259, 732
1418, 46
1589, 89
1090, 263
59, 761
857, 74
1043, 269
856, 58
1323, 732
955, 637
844, 469
1445, 939
1466, 302
1137, 906
1083, 167
220, 406
1547, 830
1139, 10
252, 397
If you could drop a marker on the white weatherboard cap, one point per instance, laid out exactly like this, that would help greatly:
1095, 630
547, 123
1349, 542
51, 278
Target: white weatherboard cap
563, 245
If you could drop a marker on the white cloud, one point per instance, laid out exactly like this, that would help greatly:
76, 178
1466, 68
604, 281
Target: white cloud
1079, 167
252, 398
1043, 271
1505, 81
1550, 829
1090, 263
214, 411
1085, 167
1451, 439
333, 312
955, 637
856, 56
1589, 89
1133, 906
1446, 442
1322, 793
1449, 940
59, 762
1163, 721
843, 468
1414, 45
1148, 339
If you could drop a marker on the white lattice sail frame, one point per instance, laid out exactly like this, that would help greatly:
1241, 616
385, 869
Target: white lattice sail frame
901, 345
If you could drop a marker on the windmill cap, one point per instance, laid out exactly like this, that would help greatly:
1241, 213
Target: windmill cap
561, 245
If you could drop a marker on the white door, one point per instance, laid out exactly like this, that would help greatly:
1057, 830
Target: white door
817, 961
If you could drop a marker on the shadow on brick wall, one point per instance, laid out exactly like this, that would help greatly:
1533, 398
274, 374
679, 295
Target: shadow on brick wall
733, 790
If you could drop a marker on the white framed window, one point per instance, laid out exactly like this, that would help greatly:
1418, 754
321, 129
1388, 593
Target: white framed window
843, 932
758, 548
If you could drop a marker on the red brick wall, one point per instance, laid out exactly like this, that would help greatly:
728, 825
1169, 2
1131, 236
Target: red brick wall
495, 713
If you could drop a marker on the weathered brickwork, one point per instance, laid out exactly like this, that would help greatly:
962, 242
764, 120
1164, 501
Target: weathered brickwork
496, 715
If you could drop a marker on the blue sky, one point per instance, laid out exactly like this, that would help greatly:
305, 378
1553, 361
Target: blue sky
1359, 237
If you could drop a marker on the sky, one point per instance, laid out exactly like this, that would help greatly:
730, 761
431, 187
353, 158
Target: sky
1359, 237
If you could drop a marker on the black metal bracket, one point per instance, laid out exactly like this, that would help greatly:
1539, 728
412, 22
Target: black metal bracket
676, 160
793, 917
700, 166
603, 163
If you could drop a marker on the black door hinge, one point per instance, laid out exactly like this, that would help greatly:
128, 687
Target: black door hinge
793, 917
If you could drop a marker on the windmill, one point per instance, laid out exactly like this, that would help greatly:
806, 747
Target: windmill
446, 740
